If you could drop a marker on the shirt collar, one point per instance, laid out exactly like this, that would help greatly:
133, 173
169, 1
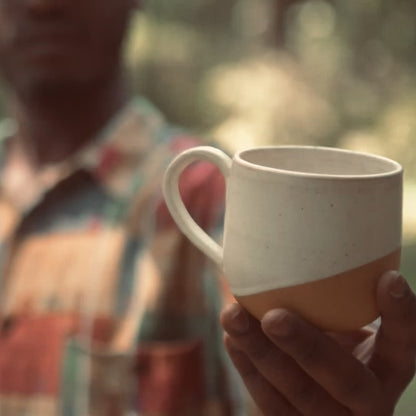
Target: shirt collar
114, 154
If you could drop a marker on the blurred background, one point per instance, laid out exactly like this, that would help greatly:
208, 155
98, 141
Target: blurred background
256, 72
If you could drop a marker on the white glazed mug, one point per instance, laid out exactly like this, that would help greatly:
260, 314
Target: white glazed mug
309, 229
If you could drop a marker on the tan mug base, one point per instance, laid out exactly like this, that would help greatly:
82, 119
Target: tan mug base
343, 302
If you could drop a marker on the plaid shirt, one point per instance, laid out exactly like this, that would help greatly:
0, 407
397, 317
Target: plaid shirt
105, 308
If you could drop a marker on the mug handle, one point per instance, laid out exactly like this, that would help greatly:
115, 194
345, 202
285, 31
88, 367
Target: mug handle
176, 206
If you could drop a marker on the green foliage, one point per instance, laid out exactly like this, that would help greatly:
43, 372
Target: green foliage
259, 71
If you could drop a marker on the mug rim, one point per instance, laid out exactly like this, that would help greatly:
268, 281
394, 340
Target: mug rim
396, 168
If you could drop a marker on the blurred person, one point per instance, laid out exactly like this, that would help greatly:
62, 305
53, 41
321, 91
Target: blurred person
105, 308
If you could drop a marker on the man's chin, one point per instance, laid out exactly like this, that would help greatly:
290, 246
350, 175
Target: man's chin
43, 86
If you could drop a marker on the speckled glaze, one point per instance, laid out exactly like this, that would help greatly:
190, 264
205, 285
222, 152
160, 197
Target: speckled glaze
296, 215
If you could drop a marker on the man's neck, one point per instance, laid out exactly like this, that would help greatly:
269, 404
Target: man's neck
53, 127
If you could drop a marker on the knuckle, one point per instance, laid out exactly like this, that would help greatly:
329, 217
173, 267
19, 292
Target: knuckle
278, 408
379, 407
354, 390
306, 397
257, 352
249, 374
309, 353
361, 396
256, 349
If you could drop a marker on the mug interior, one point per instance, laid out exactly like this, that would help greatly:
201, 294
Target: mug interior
321, 161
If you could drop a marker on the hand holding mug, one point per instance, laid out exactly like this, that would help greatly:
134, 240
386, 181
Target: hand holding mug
290, 368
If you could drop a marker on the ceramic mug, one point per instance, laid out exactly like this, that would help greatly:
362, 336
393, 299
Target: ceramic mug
309, 229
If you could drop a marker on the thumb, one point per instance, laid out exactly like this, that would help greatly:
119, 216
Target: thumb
393, 360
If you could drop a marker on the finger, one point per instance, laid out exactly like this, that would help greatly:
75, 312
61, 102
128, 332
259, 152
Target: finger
235, 320
267, 398
351, 339
395, 349
282, 372
336, 370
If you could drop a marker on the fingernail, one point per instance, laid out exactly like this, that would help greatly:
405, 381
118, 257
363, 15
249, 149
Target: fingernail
238, 319
279, 323
398, 286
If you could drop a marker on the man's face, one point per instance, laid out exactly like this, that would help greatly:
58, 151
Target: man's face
49, 44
